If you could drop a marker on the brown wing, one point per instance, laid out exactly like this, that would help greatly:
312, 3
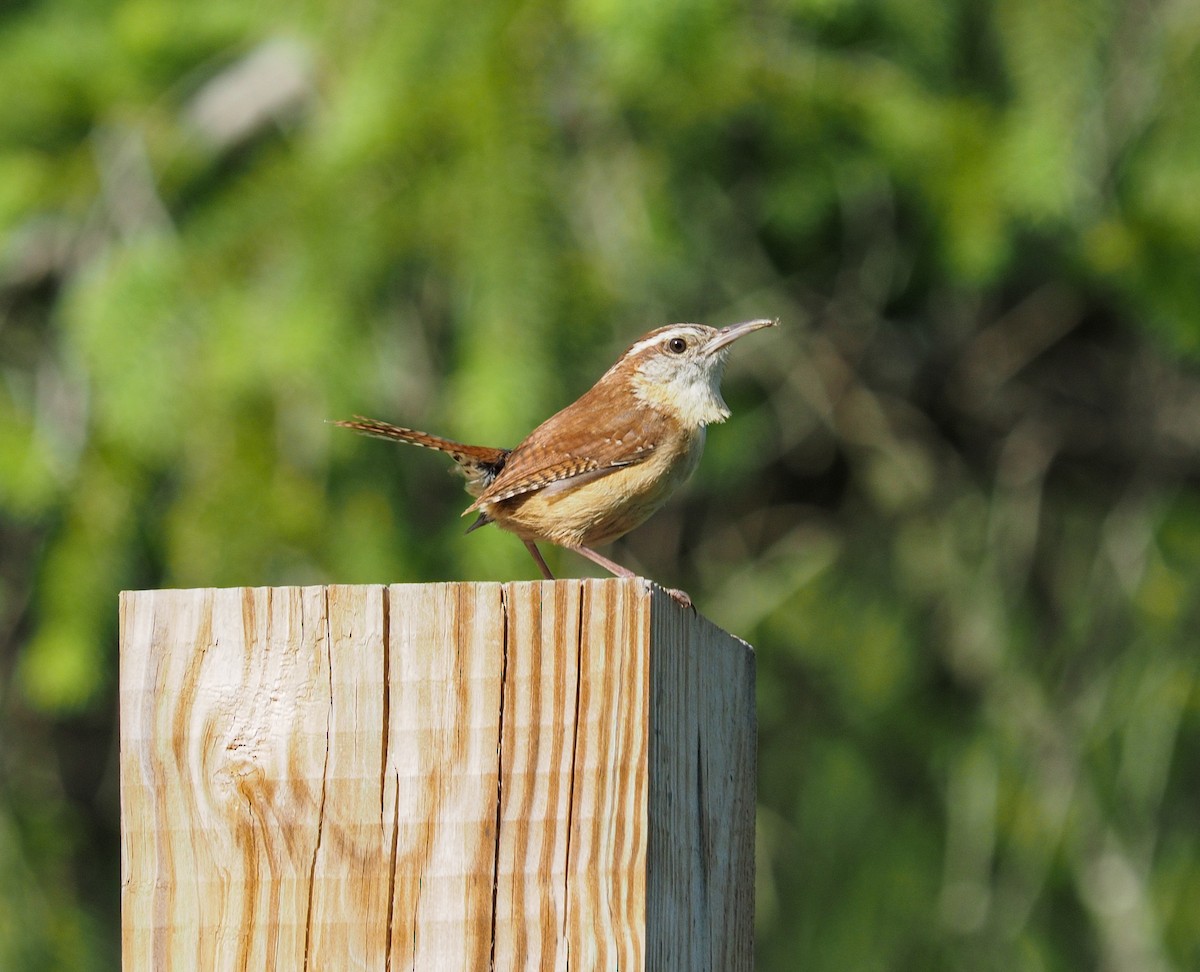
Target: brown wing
479, 464
587, 437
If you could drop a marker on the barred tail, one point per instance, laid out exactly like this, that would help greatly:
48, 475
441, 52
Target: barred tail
480, 464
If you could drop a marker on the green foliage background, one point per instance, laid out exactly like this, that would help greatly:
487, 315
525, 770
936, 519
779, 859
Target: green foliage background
957, 509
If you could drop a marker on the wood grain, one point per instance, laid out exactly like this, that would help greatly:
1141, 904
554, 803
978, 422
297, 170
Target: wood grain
551, 775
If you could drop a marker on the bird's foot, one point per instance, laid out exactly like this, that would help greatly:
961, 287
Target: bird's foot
681, 598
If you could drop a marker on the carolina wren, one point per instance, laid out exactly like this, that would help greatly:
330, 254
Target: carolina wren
601, 466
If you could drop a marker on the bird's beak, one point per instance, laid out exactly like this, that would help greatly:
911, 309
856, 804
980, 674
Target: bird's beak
727, 335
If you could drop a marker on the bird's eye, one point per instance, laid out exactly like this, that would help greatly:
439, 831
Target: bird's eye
677, 345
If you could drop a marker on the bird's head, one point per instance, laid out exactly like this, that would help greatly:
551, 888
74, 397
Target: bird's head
678, 369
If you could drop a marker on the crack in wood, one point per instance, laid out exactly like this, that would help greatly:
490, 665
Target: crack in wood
387, 698
383, 766
391, 888
574, 759
505, 621
312, 867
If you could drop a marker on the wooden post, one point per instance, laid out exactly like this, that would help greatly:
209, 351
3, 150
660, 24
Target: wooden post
445, 777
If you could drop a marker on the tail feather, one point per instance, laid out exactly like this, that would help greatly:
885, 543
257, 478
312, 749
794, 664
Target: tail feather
482, 520
479, 464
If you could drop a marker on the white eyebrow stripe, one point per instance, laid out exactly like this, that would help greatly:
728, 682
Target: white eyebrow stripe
665, 334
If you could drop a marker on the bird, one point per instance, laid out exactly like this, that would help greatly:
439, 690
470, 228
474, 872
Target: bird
604, 464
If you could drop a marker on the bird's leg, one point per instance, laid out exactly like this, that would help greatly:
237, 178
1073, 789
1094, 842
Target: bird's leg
537, 556
595, 558
680, 597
